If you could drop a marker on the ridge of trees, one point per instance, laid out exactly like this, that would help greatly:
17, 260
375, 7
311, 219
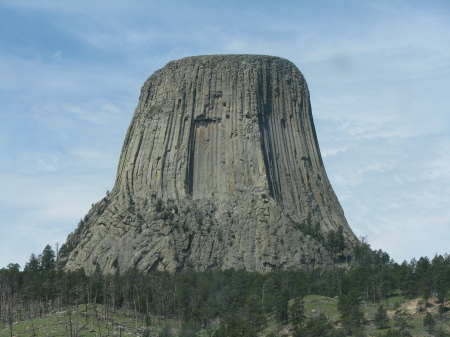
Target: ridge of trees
234, 302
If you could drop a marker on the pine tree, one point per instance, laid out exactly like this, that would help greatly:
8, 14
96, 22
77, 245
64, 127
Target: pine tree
47, 258
32, 264
254, 312
281, 312
402, 323
331, 242
297, 312
429, 322
381, 319
340, 240
351, 314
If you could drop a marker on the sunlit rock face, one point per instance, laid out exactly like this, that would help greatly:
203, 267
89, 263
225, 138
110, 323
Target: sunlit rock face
220, 168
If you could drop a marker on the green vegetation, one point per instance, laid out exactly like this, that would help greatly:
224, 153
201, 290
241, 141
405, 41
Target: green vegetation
429, 322
370, 299
381, 318
349, 306
297, 313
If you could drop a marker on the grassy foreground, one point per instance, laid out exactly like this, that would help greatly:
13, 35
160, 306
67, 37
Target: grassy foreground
315, 305
99, 320
84, 321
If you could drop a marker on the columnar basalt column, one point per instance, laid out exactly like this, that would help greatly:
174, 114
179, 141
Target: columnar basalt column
220, 168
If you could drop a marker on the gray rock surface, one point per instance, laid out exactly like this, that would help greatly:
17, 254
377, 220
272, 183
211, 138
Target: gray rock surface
220, 168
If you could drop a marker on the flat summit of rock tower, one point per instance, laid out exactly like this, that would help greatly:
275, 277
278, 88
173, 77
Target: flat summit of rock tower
220, 168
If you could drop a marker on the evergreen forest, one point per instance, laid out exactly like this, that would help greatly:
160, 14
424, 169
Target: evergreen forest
365, 297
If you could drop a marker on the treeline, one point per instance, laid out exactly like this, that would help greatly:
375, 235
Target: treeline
224, 302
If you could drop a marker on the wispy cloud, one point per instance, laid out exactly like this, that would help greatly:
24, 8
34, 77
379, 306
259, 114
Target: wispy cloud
378, 74
333, 151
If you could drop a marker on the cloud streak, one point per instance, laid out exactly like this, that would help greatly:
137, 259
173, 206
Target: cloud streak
378, 73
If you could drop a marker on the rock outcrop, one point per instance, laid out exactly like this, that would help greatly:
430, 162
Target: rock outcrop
220, 168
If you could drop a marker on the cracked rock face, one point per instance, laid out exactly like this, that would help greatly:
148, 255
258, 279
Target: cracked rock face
220, 168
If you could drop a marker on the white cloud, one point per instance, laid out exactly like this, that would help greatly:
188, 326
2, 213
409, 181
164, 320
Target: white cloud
378, 73
333, 151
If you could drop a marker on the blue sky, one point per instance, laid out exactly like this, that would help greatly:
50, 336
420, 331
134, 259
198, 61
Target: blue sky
378, 73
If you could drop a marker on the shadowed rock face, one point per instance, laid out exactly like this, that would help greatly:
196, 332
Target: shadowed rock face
220, 168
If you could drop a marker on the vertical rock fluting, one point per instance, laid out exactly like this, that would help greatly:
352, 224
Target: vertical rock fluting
220, 168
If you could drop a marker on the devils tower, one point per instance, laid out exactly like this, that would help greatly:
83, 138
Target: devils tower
220, 168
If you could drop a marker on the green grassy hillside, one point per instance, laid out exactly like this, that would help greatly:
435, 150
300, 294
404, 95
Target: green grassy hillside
98, 320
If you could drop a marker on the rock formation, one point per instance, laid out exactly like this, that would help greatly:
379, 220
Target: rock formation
220, 168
